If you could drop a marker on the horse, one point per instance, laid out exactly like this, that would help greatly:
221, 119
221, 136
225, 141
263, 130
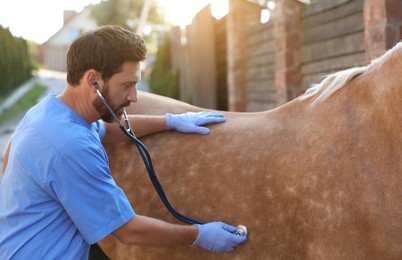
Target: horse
316, 178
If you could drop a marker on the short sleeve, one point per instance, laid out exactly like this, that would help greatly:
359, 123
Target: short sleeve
99, 127
82, 183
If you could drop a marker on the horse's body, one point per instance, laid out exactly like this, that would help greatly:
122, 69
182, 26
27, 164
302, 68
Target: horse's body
318, 181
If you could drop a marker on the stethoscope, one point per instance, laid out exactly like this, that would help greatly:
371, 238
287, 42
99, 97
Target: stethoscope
128, 131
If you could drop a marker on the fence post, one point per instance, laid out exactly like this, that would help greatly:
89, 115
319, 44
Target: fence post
383, 26
287, 50
239, 19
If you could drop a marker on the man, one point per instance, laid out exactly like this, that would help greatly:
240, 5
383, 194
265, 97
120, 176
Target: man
57, 196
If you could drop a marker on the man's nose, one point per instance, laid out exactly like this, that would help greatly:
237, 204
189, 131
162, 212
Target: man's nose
132, 96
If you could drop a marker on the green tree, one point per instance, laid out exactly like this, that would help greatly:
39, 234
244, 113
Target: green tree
163, 80
125, 13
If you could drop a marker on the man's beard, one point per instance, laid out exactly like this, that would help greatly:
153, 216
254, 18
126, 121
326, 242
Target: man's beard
104, 111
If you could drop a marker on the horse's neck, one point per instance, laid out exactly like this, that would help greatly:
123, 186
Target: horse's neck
383, 78
371, 102
383, 85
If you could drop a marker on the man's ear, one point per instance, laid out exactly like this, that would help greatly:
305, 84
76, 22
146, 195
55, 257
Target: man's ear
91, 77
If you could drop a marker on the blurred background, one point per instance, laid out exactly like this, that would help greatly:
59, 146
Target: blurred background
234, 55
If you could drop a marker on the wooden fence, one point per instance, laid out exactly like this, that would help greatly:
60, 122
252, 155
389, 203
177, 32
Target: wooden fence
239, 64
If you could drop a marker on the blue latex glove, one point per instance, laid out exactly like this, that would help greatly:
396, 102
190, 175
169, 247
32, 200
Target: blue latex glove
218, 237
190, 122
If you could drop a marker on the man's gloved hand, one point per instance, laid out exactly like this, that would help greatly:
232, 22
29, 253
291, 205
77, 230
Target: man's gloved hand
218, 237
190, 122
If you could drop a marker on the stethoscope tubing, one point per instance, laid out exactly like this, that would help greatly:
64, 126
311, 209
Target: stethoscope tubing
142, 149
146, 157
128, 131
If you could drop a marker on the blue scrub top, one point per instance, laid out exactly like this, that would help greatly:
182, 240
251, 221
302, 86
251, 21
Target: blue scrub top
57, 196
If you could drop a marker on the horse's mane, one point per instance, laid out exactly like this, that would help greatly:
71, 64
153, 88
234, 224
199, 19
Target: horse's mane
333, 82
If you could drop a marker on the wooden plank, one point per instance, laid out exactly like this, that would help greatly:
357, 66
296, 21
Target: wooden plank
262, 60
261, 26
348, 25
256, 107
336, 13
220, 26
314, 73
260, 72
322, 5
262, 97
334, 64
267, 49
262, 86
333, 47
260, 36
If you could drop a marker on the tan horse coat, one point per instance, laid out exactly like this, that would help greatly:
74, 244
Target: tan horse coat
310, 181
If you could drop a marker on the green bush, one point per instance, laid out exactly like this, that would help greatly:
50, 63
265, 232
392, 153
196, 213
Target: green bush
15, 63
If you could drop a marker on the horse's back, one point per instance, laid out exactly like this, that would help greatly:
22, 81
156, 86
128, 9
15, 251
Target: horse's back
299, 186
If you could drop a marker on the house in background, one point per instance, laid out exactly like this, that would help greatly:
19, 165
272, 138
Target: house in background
55, 49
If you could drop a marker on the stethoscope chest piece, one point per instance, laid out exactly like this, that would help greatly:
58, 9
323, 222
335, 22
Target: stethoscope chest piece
241, 230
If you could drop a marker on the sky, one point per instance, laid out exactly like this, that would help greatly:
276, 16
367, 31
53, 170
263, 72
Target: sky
38, 20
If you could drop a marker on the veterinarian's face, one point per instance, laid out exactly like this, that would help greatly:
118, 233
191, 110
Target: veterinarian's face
119, 91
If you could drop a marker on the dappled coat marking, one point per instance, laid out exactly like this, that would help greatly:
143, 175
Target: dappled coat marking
317, 178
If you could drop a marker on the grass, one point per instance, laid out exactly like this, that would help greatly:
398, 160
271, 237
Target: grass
24, 103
